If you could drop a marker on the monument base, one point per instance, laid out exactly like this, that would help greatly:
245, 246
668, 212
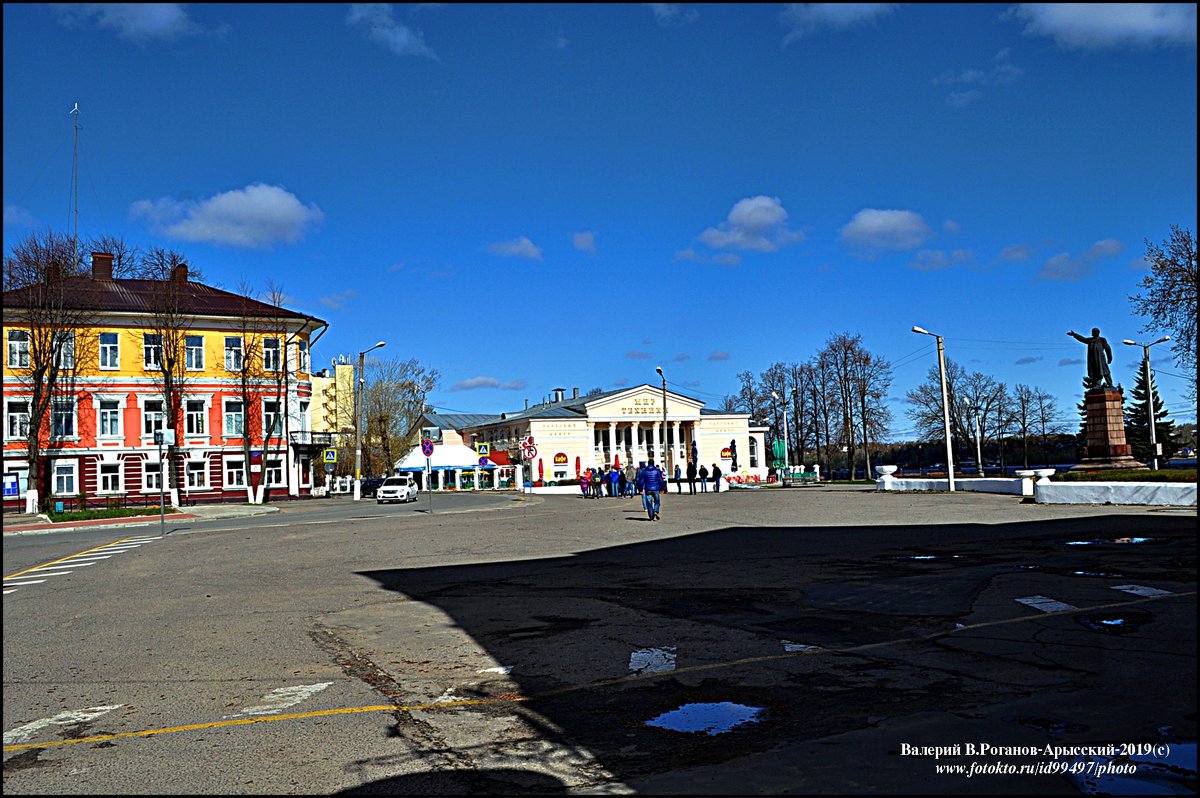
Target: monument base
1106, 447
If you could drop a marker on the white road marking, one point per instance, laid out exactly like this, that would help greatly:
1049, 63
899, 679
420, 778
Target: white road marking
1046, 604
499, 669
1139, 590
788, 645
281, 698
23, 733
60, 565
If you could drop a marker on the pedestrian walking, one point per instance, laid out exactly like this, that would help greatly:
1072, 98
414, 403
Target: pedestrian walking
716, 475
584, 483
614, 478
622, 485
651, 483
678, 479
703, 474
630, 479
691, 476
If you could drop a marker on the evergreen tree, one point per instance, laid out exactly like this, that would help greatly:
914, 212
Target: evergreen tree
1137, 421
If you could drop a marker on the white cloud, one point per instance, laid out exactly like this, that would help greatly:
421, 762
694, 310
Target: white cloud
961, 99
1063, 267
872, 231
721, 258
16, 216
139, 22
808, 18
719, 356
338, 301
928, 260
1105, 25
585, 241
517, 248
380, 26
1016, 252
256, 216
477, 383
755, 223
672, 14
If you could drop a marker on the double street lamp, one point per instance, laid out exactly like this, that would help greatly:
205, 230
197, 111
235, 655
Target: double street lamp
786, 459
362, 381
666, 441
941, 350
1149, 394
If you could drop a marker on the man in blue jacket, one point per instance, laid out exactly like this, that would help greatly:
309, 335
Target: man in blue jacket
651, 482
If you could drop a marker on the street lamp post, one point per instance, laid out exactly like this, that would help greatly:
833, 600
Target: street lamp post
786, 459
666, 442
941, 350
358, 418
1149, 394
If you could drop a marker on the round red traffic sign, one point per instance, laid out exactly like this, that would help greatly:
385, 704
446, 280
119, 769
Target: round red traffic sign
427, 447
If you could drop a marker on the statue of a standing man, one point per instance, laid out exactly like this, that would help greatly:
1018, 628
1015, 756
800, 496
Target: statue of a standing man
1099, 355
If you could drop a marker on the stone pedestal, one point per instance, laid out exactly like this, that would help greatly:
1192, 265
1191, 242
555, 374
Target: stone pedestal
1106, 446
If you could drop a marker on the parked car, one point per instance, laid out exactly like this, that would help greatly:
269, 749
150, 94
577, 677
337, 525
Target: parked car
396, 489
369, 486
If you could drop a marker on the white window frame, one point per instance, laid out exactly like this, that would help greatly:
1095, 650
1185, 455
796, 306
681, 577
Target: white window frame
273, 474
56, 413
189, 414
195, 363
226, 414
21, 469
271, 354
233, 354
194, 467
235, 473
105, 472
21, 433
18, 349
152, 474
272, 422
119, 413
110, 353
302, 348
152, 345
60, 469
149, 416
64, 350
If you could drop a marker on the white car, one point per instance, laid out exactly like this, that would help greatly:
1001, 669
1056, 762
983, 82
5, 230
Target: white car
397, 489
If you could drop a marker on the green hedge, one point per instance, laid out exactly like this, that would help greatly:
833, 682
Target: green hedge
1128, 475
88, 515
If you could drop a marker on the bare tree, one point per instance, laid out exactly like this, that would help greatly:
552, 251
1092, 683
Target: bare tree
1168, 298
394, 401
47, 303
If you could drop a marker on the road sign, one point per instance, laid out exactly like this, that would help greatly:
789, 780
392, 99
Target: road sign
484, 461
164, 437
483, 449
427, 447
329, 468
331, 455
12, 485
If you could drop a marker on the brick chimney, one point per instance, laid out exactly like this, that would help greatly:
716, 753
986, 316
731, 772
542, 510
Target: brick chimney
179, 273
102, 266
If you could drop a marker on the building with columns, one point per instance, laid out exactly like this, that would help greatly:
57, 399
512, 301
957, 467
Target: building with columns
622, 426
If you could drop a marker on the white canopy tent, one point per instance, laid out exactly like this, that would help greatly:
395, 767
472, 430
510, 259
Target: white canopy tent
454, 458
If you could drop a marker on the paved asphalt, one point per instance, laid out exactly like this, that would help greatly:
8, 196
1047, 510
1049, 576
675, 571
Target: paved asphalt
809, 640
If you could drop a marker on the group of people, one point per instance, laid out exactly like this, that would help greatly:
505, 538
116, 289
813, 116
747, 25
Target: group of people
648, 480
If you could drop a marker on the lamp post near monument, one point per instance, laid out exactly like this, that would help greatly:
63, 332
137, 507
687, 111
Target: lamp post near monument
1105, 446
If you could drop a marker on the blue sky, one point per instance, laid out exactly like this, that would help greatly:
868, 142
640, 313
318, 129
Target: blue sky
709, 188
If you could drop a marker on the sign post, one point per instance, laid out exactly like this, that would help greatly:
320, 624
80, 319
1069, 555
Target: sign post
427, 450
161, 437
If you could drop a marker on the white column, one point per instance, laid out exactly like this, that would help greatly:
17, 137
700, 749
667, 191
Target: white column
441, 479
658, 431
612, 441
678, 447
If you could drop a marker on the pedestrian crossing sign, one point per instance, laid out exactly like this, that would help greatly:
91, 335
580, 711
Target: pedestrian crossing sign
331, 455
483, 449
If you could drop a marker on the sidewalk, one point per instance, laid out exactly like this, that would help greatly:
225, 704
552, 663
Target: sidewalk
14, 523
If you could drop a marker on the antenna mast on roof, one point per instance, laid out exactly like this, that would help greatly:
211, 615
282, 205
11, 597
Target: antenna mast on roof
75, 193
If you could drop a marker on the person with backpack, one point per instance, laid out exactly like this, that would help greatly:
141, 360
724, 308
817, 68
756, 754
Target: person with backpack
651, 483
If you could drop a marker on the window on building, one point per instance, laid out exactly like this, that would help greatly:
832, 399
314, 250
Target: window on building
271, 354
18, 349
64, 350
16, 420
110, 477
110, 351
753, 453
272, 423
153, 416
151, 351
233, 352
110, 419
62, 419
235, 473
152, 476
64, 478
194, 357
193, 418
303, 415
197, 474
21, 469
274, 472
302, 348
235, 418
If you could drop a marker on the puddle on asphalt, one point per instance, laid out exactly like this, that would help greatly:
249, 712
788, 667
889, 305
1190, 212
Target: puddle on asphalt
708, 718
652, 660
1114, 623
1098, 573
1166, 769
1046, 724
926, 557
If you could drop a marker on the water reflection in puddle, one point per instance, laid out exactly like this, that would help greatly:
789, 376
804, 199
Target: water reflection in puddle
708, 718
1172, 774
1111, 540
1118, 623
